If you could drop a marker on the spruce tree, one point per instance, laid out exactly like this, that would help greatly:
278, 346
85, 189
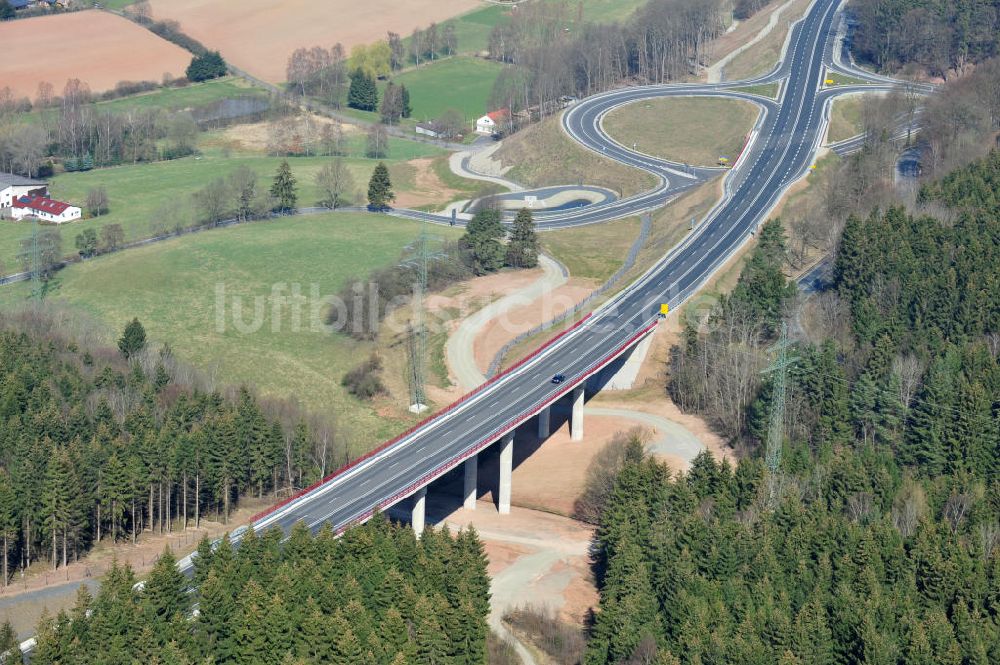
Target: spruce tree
484, 238
380, 193
8, 521
363, 92
522, 250
133, 339
164, 594
9, 644
283, 189
405, 95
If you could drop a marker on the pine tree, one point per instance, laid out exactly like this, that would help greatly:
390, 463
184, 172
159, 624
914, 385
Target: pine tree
214, 629
405, 96
133, 339
484, 237
57, 495
249, 634
8, 521
380, 192
926, 444
283, 189
363, 92
9, 644
164, 594
522, 250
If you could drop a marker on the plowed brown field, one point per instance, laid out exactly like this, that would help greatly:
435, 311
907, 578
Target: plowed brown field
96, 47
259, 35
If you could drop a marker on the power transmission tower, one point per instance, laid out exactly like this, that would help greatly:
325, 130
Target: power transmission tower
422, 256
776, 426
35, 264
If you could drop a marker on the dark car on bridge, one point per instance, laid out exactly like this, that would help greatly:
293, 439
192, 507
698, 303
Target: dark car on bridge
558, 378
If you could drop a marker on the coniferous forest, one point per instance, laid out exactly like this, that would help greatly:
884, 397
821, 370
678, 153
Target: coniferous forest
100, 444
883, 545
375, 596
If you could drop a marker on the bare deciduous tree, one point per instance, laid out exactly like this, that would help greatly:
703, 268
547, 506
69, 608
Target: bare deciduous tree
336, 184
97, 201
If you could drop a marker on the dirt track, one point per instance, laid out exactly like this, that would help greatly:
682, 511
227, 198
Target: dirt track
259, 35
98, 48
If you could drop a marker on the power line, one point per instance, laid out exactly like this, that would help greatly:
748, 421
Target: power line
833, 377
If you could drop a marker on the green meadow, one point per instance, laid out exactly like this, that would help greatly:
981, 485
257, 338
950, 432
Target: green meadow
460, 83
157, 195
184, 291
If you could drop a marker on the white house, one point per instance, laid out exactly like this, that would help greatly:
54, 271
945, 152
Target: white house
45, 209
13, 187
490, 123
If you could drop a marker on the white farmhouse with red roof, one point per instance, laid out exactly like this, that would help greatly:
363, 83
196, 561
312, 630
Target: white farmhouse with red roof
45, 209
490, 123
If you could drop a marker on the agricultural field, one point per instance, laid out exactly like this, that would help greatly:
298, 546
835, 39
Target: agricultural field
693, 130
180, 288
259, 35
157, 195
460, 83
168, 99
96, 47
473, 29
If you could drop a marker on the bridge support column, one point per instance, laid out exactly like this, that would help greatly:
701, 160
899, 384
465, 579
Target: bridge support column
419, 508
544, 422
576, 424
471, 481
506, 468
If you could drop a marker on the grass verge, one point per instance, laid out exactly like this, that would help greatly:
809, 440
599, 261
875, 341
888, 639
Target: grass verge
693, 130
845, 119
594, 251
763, 89
543, 155
762, 56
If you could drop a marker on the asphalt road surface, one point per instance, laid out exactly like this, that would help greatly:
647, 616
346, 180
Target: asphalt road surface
779, 153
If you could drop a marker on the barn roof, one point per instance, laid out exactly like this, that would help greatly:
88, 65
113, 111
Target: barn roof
9, 179
41, 204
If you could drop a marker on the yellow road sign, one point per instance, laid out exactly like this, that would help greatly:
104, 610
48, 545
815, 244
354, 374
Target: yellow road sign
664, 309
830, 82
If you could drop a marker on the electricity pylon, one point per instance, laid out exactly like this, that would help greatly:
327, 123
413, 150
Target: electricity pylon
35, 264
422, 256
776, 426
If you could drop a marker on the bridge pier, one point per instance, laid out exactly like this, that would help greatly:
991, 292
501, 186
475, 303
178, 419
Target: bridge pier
544, 422
471, 481
506, 469
419, 511
576, 423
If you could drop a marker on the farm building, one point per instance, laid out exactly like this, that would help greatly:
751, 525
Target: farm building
13, 187
431, 129
490, 123
45, 209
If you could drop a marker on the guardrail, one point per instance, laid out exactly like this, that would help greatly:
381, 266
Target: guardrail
494, 434
396, 439
630, 259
